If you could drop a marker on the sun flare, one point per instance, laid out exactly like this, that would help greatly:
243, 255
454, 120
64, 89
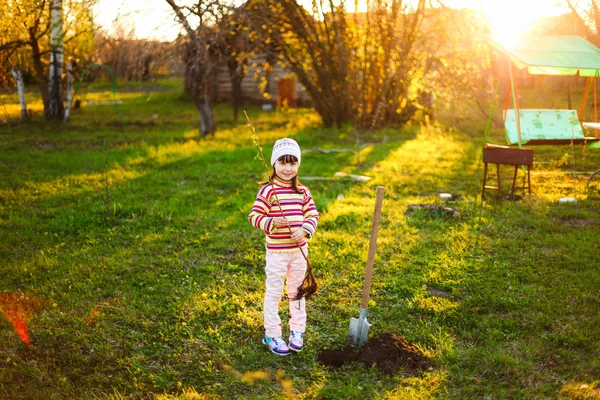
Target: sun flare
508, 21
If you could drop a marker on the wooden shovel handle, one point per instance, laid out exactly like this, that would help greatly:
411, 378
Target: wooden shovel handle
372, 248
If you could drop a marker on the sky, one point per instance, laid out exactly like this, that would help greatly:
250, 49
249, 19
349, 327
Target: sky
154, 19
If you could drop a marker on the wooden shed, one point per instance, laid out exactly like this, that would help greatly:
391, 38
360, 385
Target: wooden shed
276, 85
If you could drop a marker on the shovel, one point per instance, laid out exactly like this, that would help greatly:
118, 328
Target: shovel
359, 327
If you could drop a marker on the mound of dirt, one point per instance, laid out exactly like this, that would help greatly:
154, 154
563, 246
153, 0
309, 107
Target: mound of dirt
390, 353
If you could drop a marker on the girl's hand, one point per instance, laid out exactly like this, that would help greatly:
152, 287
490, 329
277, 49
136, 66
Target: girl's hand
280, 222
298, 235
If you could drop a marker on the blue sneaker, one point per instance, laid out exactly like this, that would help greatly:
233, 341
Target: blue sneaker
296, 341
277, 345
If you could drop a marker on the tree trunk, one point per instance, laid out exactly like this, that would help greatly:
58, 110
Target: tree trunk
200, 69
16, 73
207, 124
236, 75
39, 68
146, 68
55, 100
200, 91
237, 97
203, 103
69, 90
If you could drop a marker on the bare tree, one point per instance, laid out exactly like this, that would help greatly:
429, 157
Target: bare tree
204, 52
135, 59
390, 64
589, 19
235, 48
359, 67
314, 47
460, 69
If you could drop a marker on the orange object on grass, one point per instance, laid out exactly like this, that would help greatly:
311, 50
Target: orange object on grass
18, 309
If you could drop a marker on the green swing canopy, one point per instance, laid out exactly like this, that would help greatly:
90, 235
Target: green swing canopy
555, 55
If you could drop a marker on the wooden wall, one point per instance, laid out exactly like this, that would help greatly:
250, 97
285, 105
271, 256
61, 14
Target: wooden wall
254, 78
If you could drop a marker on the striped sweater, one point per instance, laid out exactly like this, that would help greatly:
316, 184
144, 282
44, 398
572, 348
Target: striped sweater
298, 208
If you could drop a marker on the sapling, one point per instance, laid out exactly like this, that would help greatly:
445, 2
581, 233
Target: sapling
309, 285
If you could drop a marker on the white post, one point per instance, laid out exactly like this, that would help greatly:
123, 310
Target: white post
16, 73
69, 90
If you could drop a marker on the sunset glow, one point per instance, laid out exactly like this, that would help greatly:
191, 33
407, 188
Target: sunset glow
509, 19
155, 20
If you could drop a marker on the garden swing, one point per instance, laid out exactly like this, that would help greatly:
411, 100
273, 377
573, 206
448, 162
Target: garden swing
551, 55
544, 55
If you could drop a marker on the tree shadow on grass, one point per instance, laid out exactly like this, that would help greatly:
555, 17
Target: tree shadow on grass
174, 233
432, 273
439, 274
54, 152
407, 171
175, 273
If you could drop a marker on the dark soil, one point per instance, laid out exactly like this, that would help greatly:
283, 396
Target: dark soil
390, 353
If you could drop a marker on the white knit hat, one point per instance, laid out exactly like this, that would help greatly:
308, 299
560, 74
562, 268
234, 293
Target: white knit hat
285, 146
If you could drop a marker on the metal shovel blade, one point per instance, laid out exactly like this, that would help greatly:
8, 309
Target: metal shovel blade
359, 329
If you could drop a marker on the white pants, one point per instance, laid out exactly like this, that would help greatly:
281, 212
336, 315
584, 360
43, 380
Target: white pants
279, 266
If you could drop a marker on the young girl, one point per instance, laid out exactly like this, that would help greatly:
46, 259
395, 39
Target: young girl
285, 211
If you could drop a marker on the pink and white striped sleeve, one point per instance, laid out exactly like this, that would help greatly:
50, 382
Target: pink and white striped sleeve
258, 217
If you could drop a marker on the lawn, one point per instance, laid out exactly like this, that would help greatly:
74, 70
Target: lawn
125, 248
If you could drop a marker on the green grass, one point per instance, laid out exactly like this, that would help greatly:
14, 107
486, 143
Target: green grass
133, 236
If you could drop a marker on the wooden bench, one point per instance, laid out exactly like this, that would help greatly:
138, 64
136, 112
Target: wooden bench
503, 155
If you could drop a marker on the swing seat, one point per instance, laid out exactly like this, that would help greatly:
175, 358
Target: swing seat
545, 127
594, 143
